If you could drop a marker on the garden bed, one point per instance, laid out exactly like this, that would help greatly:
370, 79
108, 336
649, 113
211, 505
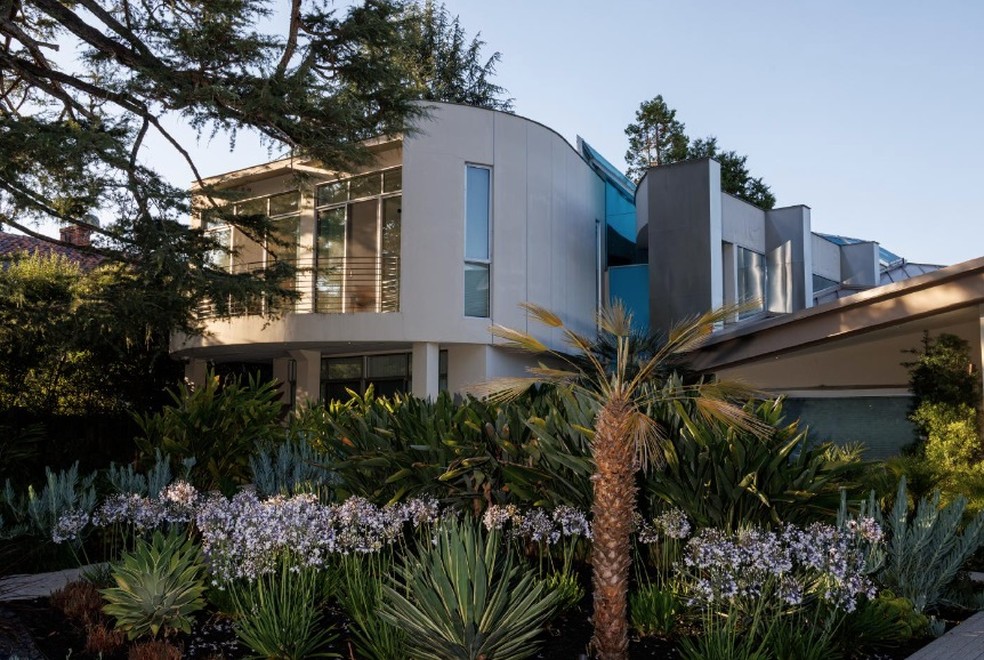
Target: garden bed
30, 627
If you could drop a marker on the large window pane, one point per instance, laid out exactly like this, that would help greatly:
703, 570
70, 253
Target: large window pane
364, 186
387, 366
393, 180
285, 203
477, 188
477, 290
346, 368
252, 207
333, 193
330, 263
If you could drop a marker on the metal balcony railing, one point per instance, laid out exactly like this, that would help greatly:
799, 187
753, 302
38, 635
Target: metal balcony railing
344, 285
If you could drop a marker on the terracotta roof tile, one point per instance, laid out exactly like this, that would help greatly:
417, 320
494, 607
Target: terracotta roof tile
12, 243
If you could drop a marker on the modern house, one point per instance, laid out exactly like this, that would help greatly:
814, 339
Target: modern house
404, 265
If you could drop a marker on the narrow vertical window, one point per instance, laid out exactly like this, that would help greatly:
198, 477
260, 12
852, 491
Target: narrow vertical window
478, 257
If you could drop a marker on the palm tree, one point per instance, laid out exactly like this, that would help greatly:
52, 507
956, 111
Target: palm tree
625, 439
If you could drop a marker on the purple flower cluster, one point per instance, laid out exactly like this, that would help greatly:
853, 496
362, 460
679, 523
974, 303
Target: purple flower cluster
244, 537
672, 524
820, 561
538, 525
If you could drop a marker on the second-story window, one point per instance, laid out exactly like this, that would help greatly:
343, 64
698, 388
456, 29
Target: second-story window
358, 243
478, 234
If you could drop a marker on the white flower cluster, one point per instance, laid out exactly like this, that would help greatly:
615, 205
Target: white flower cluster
537, 525
820, 559
174, 504
244, 537
670, 524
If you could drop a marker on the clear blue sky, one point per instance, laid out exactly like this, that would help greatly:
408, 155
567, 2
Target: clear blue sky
871, 113
868, 112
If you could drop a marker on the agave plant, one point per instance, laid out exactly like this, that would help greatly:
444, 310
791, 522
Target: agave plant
159, 586
463, 597
621, 387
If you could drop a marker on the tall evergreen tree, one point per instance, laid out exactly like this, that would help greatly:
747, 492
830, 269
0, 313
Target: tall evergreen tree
443, 64
73, 132
656, 138
735, 178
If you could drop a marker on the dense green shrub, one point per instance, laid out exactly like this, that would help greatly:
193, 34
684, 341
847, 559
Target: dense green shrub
723, 476
220, 425
464, 597
290, 468
532, 451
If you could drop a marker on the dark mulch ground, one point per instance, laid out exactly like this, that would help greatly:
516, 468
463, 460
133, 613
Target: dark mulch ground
33, 630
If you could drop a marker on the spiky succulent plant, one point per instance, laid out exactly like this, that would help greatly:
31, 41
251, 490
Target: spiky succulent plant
158, 588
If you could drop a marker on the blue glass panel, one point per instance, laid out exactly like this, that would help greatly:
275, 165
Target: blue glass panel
630, 284
477, 188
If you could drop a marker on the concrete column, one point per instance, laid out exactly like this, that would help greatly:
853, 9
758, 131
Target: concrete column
195, 372
426, 369
308, 385
789, 259
282, 372
683, 211
859, 264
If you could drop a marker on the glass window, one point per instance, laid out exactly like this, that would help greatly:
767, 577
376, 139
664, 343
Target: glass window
387, 366
393, 180
364, 186
477, 188
346, 368
252, 207
478, 199
333, 193
477, 290
286, 203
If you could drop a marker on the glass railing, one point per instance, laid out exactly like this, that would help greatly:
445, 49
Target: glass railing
341, 286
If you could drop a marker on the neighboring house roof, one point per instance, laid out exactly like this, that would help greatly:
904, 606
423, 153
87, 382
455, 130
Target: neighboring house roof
954, 291
11, 244
902, 270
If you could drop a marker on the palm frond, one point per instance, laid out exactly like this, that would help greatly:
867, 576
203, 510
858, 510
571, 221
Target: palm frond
732, 415
517, 339
552, 375
615, 319
503, 390
647, 437
543, 315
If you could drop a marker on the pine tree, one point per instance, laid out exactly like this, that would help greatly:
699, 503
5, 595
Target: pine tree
656, 138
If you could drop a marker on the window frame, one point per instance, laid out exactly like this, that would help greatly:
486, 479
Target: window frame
486, 263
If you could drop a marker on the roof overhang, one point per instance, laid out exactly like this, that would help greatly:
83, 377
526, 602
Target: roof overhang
949, 292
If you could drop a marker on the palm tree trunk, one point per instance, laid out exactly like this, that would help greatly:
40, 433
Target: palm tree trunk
613, 508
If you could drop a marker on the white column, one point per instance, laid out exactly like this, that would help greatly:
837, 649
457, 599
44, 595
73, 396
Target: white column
426, 365
308, 376
195, 372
